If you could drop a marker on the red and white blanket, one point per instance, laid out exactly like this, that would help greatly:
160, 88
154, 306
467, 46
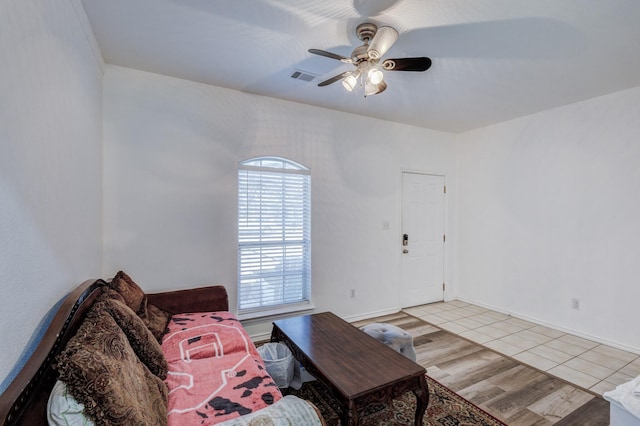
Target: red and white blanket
215, 372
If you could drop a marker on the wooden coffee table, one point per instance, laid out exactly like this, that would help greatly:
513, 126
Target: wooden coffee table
357, 368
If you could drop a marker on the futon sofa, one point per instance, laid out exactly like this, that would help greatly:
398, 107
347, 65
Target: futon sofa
116, 355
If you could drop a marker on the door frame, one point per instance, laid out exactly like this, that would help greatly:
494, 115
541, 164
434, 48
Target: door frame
446, 253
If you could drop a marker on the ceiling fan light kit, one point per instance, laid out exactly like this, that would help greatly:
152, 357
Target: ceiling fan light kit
374, 89
366, 58
375, 76
385, 38
351, 81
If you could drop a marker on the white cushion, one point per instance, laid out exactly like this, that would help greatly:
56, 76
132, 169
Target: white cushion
392, 336
63, 409
289, 410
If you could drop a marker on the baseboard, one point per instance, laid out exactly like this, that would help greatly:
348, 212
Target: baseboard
360, 317
596, 339
260, 337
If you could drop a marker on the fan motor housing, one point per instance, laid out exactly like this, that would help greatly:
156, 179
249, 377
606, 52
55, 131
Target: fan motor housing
360, 54
366, 31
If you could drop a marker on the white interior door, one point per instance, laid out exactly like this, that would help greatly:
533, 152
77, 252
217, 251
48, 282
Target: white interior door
423, 251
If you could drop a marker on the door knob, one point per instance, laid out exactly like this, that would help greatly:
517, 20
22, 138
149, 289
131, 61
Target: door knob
405, 251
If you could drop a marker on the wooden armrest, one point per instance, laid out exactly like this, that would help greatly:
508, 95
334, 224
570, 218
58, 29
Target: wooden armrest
24, 401
201, 299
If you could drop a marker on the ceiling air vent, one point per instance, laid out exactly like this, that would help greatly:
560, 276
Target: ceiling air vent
303, 75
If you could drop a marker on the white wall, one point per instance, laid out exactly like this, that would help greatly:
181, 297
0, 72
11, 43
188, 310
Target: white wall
50, 162
549, 209
171, 149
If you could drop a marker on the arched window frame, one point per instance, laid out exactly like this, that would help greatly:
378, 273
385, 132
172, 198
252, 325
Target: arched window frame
274, 237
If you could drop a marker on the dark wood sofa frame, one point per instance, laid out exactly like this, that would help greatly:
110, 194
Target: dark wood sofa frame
24, 402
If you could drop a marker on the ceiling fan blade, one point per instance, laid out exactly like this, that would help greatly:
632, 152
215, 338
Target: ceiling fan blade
382, 41
330, 55
334, 79
407, 64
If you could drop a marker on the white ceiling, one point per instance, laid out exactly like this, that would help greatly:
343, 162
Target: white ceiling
493, 60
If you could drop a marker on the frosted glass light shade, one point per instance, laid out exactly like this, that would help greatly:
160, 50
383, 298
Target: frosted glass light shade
375, 76
374, 89
382, 41
349, 82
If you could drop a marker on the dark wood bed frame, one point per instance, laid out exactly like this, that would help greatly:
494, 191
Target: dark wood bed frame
24, 402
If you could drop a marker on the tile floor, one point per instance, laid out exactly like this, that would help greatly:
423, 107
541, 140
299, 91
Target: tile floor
582, 362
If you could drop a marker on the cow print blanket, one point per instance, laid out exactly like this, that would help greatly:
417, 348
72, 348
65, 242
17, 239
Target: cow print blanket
215, 372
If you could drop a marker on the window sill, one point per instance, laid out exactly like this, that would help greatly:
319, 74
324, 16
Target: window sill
263, 314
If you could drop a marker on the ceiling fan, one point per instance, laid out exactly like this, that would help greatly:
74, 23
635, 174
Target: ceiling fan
367, 60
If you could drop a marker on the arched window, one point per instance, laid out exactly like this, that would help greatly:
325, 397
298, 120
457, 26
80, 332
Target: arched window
274, 236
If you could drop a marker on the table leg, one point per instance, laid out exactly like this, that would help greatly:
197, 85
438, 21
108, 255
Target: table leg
422, 400
350, 415
275, 335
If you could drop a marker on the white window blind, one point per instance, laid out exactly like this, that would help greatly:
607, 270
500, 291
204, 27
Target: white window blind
274, 227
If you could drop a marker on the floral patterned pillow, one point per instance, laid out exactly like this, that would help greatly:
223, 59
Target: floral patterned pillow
155, 319
104, 374
128, 289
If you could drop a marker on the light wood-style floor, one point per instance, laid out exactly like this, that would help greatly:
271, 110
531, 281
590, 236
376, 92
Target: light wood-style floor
585, 363
516, 392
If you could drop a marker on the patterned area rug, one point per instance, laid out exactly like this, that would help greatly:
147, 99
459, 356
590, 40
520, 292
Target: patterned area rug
446, 408
473, 381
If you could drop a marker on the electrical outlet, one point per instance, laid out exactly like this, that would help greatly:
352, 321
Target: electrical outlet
353, 292
575, 304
